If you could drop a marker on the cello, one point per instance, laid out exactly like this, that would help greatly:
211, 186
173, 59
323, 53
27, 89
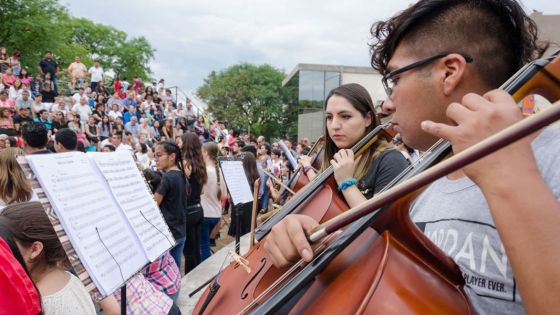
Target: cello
391, 266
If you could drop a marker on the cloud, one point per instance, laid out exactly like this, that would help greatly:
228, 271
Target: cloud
192, 38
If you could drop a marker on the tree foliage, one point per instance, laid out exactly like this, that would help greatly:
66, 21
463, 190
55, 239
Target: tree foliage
249, 97
34, 26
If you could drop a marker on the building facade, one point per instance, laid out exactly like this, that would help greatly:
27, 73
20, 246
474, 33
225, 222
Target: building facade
314, 82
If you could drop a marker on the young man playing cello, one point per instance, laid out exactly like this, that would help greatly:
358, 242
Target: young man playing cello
439, 59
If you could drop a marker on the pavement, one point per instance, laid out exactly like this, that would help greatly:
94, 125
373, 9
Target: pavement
203, 272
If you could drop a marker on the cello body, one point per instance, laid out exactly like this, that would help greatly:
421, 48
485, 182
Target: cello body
376, 265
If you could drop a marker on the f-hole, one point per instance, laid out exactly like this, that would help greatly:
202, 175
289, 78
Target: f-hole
245, 294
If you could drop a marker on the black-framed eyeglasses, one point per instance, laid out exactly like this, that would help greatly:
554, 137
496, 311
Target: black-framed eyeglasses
389, 83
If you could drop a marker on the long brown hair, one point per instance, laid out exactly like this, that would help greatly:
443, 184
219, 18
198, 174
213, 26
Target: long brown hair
14, 186
192, 155
360, 99
31, 224
212, 150
250, 167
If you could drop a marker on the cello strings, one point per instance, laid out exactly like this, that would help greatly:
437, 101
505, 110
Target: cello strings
300, 263
329, 238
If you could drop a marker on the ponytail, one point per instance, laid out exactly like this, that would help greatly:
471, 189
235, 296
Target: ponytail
171, 147
212, 151
217, 166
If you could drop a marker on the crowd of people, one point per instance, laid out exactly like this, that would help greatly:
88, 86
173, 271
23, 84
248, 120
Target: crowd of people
176, 147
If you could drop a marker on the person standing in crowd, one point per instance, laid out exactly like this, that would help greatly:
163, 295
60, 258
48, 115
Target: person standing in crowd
96, 75
210, 199
77, 70
45, 258
195, 169
48, 65
15, 63
171, 194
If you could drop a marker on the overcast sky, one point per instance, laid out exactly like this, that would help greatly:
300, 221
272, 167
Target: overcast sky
192, 38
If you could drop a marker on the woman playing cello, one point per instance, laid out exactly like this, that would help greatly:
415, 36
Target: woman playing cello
349, 116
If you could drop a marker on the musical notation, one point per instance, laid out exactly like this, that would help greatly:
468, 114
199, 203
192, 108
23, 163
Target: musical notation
87, 211
131, 193
236, 181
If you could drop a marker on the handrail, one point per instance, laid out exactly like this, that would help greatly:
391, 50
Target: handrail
185, 95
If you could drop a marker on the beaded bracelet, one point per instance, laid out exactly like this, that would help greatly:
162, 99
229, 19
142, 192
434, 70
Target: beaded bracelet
347, 183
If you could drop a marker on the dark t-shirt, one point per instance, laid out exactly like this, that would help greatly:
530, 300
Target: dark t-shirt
22, 121
388, 165
57, 125
194, 195
48, 96
49, 66
174, 203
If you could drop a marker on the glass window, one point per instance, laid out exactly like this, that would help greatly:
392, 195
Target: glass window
332, 80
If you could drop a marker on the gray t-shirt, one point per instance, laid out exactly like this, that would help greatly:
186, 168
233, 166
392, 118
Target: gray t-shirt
455, 216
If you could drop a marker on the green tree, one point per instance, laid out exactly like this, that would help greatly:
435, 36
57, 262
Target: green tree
34, 26
126, 57
249, 97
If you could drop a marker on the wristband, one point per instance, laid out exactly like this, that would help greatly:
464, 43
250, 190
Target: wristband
347, 183
307, 169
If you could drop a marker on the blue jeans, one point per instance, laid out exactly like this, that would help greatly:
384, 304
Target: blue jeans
55, 83
208, 225
177, 251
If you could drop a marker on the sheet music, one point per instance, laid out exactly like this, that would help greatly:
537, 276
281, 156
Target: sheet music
236, 181
93, 221
132, 194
